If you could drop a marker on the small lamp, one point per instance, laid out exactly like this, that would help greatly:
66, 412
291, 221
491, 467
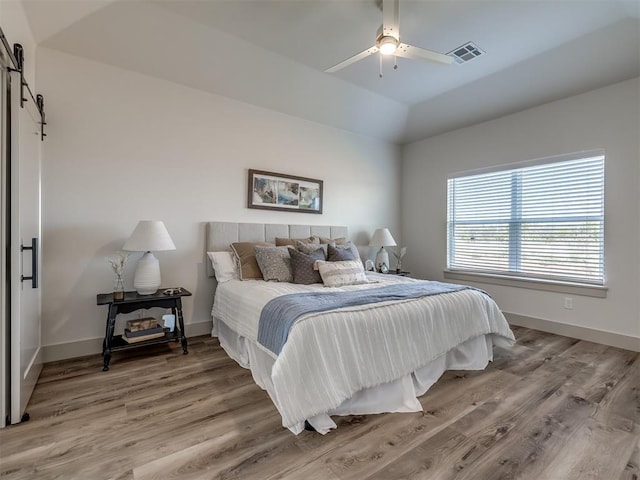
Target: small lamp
382, 238
148, 235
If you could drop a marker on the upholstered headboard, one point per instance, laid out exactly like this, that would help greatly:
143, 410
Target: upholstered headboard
222, 234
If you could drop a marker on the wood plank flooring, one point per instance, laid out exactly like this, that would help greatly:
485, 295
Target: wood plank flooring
550, 408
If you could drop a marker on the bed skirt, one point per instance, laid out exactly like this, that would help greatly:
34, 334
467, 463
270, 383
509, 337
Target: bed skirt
400, 395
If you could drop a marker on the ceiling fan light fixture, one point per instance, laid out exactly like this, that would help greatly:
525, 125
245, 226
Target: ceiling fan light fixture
388, 45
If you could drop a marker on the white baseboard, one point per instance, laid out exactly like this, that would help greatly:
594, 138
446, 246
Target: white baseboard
583, 333
92, 346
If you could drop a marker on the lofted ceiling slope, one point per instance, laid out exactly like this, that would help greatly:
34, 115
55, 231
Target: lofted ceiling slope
274, 53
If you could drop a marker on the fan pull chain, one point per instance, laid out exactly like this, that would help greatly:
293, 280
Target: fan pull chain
380, 65
395, 62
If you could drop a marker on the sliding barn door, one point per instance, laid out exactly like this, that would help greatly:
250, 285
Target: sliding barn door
26, 355
23, 147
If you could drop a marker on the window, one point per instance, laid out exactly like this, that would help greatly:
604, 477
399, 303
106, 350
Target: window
541, 220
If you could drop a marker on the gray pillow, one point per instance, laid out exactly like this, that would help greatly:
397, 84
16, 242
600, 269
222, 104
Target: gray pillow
338, 253
274, 263
302, 266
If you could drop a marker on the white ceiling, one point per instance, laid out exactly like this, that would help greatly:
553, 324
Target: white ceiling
274, 53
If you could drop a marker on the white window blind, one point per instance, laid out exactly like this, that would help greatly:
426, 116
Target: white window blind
544, 220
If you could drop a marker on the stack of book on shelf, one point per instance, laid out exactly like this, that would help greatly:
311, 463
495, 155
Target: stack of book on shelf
142, 329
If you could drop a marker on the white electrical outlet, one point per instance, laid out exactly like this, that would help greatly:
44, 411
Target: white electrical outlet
568, 303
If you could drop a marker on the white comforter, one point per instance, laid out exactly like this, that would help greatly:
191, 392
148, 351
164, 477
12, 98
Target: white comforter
329, 356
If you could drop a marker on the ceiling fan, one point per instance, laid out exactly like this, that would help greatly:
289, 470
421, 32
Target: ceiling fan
388, 43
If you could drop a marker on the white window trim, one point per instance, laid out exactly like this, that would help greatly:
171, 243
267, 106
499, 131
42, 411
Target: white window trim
573, 288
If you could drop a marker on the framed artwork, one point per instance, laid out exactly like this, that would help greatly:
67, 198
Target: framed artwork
288, 193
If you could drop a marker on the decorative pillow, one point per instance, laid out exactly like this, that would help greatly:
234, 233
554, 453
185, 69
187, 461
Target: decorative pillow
246, 257
348, 251
274, 263
280, 241
311, 247
302, 266
335, 241
224, 265
336, 254
339, 274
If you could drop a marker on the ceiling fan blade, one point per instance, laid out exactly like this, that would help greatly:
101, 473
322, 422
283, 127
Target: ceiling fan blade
354, 59
417, 53
391, 18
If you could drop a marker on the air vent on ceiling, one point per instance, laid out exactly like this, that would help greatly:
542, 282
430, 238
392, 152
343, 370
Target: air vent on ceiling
466, 52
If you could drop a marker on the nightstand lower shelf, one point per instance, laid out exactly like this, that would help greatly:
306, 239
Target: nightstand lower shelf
119, 343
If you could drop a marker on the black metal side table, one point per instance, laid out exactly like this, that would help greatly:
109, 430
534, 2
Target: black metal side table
132, 302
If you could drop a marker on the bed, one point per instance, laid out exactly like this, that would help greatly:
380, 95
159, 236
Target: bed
349, 357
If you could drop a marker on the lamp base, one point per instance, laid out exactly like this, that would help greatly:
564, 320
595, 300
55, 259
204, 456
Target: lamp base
382, 260
146, 280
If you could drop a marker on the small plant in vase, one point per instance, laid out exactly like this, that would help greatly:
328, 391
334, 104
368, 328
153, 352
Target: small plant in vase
399, 255
118, 264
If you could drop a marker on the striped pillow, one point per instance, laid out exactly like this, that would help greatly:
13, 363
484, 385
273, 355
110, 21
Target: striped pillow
339, 274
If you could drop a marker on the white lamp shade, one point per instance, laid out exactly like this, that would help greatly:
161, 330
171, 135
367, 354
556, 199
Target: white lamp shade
382, 238
149, 235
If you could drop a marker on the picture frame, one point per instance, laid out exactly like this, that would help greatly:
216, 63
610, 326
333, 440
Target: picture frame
286, 193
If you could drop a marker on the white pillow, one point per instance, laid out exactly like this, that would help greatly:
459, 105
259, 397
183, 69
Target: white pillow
339, 274
224, 266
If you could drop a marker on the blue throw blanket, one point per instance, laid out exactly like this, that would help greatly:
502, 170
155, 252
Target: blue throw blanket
279, 314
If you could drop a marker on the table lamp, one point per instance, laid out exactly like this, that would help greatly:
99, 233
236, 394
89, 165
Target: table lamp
148, 235
382, 238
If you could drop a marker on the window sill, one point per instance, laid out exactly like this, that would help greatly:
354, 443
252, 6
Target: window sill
530, 283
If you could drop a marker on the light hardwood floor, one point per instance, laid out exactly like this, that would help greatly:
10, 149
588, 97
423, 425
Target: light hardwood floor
550, 408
